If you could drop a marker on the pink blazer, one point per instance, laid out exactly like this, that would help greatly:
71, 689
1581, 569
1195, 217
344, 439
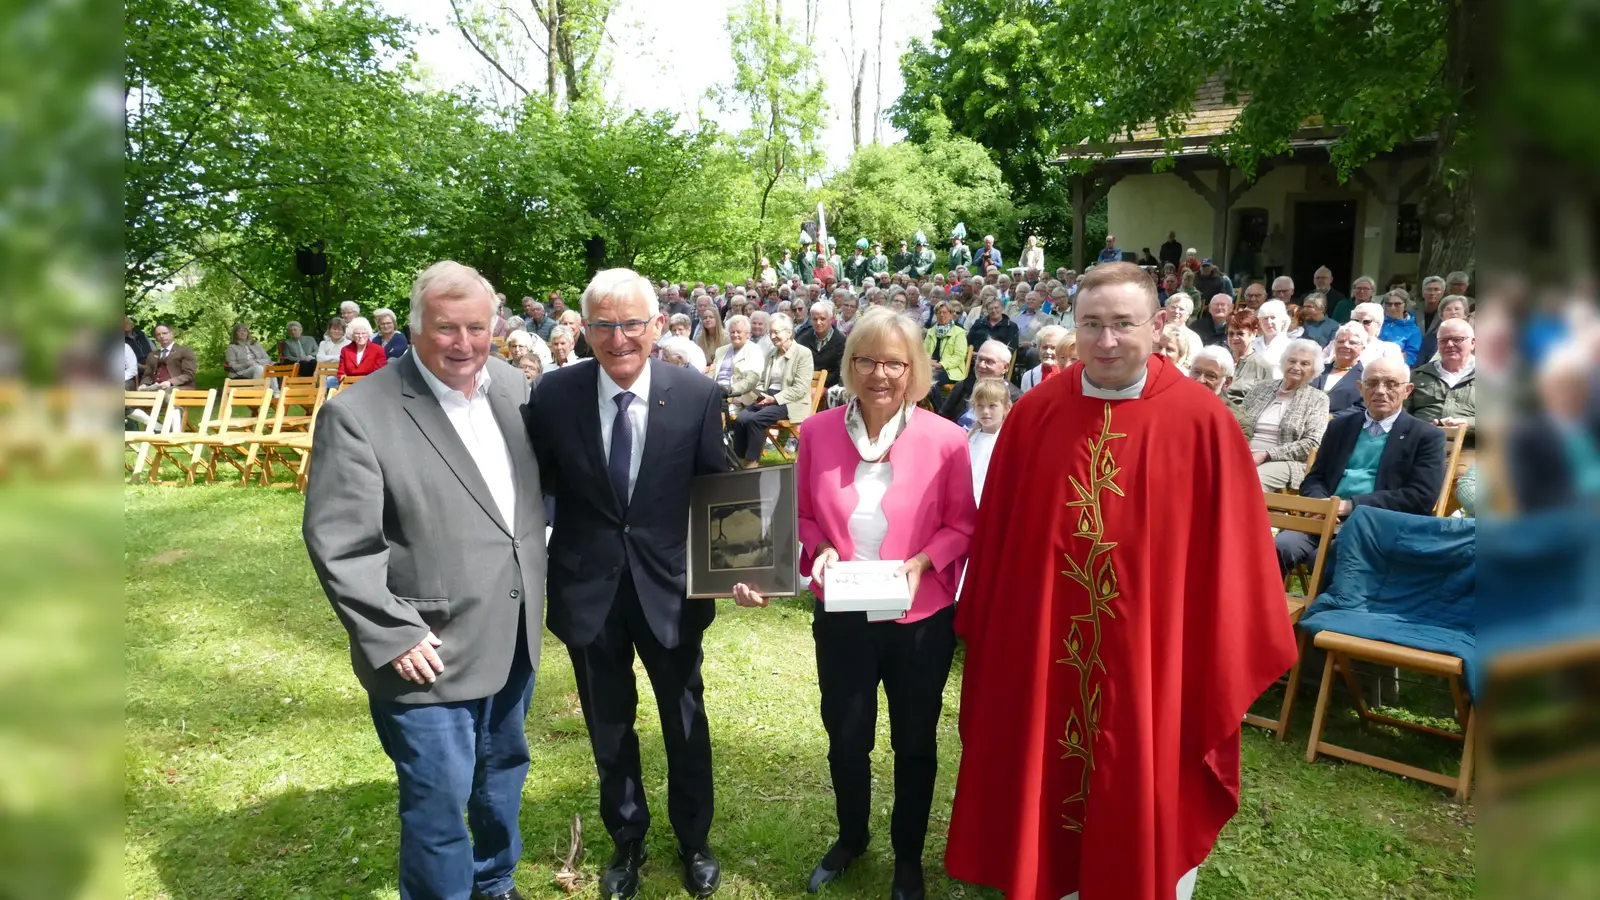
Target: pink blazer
929, 505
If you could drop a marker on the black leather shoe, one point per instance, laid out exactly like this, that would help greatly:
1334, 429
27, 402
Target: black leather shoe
512, 894
702, 874
834, 862
621, 880
908, 884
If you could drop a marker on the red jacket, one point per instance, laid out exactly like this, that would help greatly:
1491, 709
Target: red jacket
372, 359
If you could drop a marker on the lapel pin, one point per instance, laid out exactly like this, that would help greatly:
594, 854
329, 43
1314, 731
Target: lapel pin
661, 403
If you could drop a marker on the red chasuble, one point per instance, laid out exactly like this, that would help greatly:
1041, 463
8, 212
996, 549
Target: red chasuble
1122, 609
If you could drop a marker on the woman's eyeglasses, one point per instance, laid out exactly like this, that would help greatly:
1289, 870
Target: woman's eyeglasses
866, 365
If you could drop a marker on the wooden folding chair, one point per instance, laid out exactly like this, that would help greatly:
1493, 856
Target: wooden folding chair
1456, 437
174, 442
348, 380
288, 443
1342, 650
326, 370
237, 440
1318, 518
306, 394
783, 429
149, 403
282, 370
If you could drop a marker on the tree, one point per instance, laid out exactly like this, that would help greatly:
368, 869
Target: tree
775, 78
573, 33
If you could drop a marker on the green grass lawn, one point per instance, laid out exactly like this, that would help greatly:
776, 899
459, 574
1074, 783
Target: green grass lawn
252, 771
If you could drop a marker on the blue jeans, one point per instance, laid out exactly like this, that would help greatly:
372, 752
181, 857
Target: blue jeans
452, 758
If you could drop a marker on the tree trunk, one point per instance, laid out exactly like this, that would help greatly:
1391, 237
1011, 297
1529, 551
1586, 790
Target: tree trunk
552, 24
1446, 207
877, 102
1449, 235
855, 102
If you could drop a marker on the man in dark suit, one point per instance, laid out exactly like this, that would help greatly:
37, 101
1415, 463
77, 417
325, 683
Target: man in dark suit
170, 365
619, 441
823, 340
1383, 457
424, 524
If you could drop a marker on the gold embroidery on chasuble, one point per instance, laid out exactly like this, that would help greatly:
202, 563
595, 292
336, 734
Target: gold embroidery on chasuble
1092, 569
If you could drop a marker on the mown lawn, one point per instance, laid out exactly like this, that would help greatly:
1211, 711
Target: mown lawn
252, 770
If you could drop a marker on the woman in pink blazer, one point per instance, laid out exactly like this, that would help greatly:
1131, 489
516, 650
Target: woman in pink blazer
881, 479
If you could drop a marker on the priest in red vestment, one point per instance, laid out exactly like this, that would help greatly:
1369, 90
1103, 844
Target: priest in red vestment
1114, 638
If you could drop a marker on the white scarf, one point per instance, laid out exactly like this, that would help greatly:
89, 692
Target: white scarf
856, 426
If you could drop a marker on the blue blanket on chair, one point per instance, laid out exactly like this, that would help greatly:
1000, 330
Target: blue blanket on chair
1405, 579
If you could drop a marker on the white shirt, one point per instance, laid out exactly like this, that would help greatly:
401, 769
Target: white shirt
1375, 427
980, 444
130, 363
1273, 352
474, 422
1451, 379
638, 418
328, 351
868, 524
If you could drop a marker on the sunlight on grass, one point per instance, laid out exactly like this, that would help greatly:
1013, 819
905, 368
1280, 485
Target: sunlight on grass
252, 771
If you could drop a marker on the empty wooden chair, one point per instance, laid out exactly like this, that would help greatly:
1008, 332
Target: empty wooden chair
175, 442
1455, 438
240, 425
287, 442
1318, 518
149, 403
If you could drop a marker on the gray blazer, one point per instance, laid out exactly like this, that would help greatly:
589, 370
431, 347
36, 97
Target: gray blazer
796, 393
1301, 430
405, 536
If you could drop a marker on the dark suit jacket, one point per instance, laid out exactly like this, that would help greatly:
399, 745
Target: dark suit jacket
830, 357
1539, 468
1410, 471
960, 399
1346, 394
181, 366
595, 536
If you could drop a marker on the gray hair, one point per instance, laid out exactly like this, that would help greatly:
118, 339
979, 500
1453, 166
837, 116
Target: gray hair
823, 306
446, 278
678, 319
1284, 279
1220, 355
762, 314
1353, 328
615, 283
520, 338
1368, 308
780, 322
1458, 277
1308, 346
382, 311
295, 325
1433, 279
561, 331
1366, 280
736, 320
1276, 311
991, 342
350, 305
359, 322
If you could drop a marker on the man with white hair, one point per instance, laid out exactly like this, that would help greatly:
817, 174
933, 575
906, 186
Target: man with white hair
1283, 289
988, 257
991, 361
824, 341
1322, 281
425, 487
617, 584
1384, 458
1444, 393
1213, 367
1341, 380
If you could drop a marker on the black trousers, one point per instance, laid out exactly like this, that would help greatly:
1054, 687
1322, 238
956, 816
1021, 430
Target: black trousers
750, 429
610, 699
913, 663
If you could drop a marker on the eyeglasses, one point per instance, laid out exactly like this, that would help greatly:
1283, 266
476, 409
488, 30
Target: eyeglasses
1120, 328
1387, 384
632, 328
866, 365
1454, 340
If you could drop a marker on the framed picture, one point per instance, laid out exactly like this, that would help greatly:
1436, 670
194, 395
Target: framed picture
744, 527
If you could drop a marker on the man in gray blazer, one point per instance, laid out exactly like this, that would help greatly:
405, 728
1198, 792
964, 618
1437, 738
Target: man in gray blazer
425, 524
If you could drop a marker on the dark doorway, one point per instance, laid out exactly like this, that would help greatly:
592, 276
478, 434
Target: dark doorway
1324, 235
1249, 235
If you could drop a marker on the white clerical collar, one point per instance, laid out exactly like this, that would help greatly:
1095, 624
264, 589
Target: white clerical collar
480, 384
1131, 392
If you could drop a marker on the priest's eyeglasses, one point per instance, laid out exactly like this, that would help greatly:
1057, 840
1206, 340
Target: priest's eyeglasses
866, 365
631, 328
1121, 327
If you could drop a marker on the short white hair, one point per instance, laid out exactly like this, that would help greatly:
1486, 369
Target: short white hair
1276, 311
561, 331
1283, 279
1307, 346
447, 278
613, 283
1368, 307
1001, 345
823, 306
736, 320
1354, 329
1218, 354
350, 305
382, 311
1366, 280
686, 350
358, 323
780, 322
520, 338
1180, 297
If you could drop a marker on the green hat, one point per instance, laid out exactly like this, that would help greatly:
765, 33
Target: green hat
833, 241
960, 231
921, 239
862, 244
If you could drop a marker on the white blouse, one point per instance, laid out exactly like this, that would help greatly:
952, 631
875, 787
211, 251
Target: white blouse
867, 523
980, 444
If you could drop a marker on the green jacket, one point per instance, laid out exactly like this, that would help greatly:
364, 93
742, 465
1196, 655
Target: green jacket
953, 355
960, 256
785, 268
1432, 399
902, 261
837, 263
921, 264
855, 269
877, 265
806, 265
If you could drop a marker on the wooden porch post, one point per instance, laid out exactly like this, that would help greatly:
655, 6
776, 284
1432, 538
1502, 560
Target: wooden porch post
1080, 209
1221, 203
1391, 223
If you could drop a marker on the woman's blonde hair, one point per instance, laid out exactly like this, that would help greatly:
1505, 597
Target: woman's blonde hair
877, 328
1174, 333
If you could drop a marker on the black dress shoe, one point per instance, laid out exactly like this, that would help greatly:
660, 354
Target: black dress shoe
702, 874
908, 883
512, 894
834, 862
621, 880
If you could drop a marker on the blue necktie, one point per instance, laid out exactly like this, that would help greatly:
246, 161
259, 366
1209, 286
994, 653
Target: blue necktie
621, 447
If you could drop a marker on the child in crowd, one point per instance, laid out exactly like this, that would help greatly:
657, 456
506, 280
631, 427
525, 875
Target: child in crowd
991, 401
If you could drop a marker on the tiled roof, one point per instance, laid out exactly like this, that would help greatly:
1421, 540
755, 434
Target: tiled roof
1212, 115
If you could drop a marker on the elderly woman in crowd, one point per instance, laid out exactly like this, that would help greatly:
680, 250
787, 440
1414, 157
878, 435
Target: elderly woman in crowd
574, 322
738, 364
561, 349
1050, 360
245, 357
531, 366
783, 392
388, 337
361, 356
1341, 380
680, 351
1180, 307
1371, 317
881, 479
946, 344
300, 349
679, 325
1452, 307
1174, 347
846, 309
337, 340
1273, 317
1284, 418
1249, 368
1213, 367
348, 311
522, 343
710, 335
